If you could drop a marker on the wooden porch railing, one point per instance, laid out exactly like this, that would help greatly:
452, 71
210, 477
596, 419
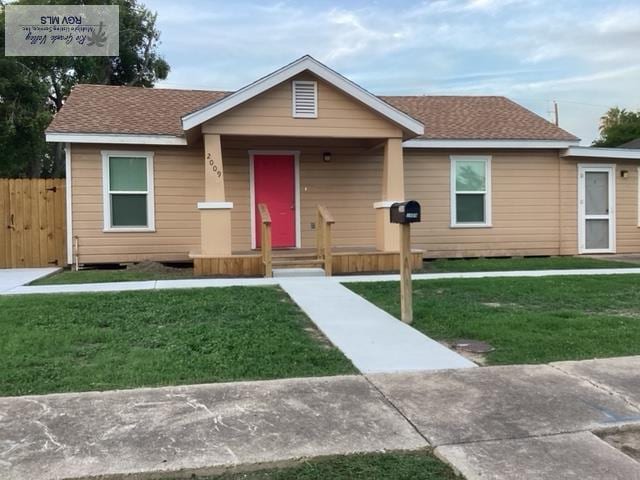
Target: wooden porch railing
324, 222
265, 244
323, 242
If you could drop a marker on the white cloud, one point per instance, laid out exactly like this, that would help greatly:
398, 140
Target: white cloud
574, 81
350, 36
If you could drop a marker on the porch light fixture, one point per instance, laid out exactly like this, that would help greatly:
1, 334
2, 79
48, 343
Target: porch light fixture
624, 173
326, 157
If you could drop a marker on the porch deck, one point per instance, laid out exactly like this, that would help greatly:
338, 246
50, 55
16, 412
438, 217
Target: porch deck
344, 260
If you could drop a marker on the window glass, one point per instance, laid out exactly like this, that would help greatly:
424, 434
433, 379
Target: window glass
128, 210
128, 174
470, 208
470, 176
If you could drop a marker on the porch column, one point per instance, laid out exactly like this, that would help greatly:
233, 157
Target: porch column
215, 211
387, 233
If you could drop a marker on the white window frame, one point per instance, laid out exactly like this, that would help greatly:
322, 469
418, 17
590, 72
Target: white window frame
487, 191
315, 99
106, 192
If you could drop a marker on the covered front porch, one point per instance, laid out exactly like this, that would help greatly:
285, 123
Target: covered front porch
328, 210
300, 159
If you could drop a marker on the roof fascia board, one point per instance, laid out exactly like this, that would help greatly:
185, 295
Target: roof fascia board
596, 152
427, 143
132, 139
305, 63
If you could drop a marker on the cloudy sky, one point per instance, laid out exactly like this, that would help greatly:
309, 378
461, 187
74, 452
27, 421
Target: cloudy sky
585, 54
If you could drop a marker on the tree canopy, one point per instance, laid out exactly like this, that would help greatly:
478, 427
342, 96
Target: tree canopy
32, 89
618, 126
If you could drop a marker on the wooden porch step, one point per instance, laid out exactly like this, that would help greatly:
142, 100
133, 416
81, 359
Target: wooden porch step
297, 262
295, 255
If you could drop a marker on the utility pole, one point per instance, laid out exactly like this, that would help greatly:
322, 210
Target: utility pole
555, 113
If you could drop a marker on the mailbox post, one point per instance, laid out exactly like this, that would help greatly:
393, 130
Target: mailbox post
405, 213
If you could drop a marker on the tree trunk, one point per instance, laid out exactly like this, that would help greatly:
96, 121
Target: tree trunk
58, 161
35, 167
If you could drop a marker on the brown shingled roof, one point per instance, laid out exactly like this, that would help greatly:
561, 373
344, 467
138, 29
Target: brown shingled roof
131, 110
486, 118
134, 110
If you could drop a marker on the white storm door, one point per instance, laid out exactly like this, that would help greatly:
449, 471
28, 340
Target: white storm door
596, 208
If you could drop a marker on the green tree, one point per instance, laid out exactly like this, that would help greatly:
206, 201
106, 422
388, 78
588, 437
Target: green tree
24, 115
32, 89
618, 126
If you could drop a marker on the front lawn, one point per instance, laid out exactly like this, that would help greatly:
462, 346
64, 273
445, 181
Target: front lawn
103, 275
115, 275
378, 466
102, 341
527, 320
510, 264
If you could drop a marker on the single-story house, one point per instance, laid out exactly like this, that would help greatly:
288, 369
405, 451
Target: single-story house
172, 175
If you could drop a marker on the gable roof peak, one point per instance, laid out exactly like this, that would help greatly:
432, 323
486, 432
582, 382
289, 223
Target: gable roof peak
306, 62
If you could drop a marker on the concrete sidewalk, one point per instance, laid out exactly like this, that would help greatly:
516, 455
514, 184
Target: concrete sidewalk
525, 422
22, 289
11, 278
500, 423
199, 429
375, 341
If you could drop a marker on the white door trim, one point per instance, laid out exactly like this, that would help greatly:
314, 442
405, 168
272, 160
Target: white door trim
252, 190
582, 217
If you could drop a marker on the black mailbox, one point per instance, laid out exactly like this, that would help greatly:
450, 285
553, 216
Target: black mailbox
405, 212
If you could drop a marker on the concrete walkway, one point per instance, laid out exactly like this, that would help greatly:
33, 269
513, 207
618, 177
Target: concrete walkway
141, 285
11, 278
516, 273
373, 340
22, 289
498, 423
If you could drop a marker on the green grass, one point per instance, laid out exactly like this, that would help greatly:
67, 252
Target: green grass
432, 266
527, 320
379, 466
528, 263
102, 341
105, 275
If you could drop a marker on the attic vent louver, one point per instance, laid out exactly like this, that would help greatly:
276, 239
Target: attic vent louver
305, 99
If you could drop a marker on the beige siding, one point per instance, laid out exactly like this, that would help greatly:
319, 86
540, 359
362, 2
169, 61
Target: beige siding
627, 231
270, 113
525, 205
348, 186
534, 198
178, 187
568, 175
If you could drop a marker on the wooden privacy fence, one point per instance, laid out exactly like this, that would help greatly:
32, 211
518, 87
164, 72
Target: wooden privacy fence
32, 232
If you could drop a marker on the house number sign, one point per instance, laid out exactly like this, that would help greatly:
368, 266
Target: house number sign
215, 168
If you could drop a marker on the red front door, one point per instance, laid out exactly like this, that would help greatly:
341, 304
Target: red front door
274, 184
